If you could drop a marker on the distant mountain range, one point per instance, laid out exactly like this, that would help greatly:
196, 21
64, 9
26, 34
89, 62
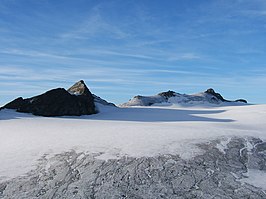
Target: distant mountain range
78, 100
207, 97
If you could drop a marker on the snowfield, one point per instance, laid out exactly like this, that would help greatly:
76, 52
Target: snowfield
137, 131
125, 132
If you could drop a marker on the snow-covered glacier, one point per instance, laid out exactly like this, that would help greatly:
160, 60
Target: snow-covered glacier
135, 152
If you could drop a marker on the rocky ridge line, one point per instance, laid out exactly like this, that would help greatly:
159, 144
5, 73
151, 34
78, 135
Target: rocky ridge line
208, 96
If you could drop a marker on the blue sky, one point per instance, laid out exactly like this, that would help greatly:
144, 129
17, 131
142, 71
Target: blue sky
123, 48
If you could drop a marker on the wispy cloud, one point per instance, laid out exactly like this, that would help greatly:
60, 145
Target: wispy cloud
31, 53
185, 56
153, 47
22, 81
94, 25
114, 52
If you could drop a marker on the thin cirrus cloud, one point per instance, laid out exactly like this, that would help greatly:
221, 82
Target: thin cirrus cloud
137, 48
99, 57
125, 84
92, 26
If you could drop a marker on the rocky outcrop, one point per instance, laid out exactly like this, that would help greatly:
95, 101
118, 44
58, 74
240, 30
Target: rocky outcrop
241, 100
168, 94
221, 171
217, 95
15, 104
77, 101
80, 88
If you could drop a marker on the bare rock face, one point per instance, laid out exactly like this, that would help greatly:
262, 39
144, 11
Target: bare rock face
80, 88
57, 102
217, 95
168, 94
15, 104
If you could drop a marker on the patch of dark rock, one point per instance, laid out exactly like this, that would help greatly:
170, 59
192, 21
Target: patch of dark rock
241, 100
168, 94
217, 95
220, 97
57, 102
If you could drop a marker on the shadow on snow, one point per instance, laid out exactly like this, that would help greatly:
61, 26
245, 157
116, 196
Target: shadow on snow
156, 115
135, 115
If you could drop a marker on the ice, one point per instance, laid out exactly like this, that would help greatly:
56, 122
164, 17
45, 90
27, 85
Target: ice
115, 132
256, 178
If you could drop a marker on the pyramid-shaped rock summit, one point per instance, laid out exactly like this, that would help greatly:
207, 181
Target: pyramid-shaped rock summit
79, 88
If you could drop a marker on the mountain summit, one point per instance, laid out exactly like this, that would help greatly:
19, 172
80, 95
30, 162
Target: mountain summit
79, 88
76, 101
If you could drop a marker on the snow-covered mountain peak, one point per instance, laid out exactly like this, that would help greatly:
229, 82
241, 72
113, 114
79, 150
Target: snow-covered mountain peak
207, 97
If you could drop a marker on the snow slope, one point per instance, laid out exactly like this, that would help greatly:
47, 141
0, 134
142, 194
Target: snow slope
133, 131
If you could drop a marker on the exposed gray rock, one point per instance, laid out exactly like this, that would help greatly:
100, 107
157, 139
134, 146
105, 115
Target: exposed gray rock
80, 88
217, 173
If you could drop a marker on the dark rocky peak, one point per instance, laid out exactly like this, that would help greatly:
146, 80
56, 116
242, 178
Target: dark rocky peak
15, 104
79, 88
242, 100
210, 91
168, 94
217, 95
57, 102
138, 96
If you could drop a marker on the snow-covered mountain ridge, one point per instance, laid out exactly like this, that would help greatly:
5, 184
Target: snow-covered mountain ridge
207, 97
78, 100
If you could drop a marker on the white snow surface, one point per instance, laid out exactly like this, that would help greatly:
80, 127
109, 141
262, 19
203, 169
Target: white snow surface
132, 131
256, 178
